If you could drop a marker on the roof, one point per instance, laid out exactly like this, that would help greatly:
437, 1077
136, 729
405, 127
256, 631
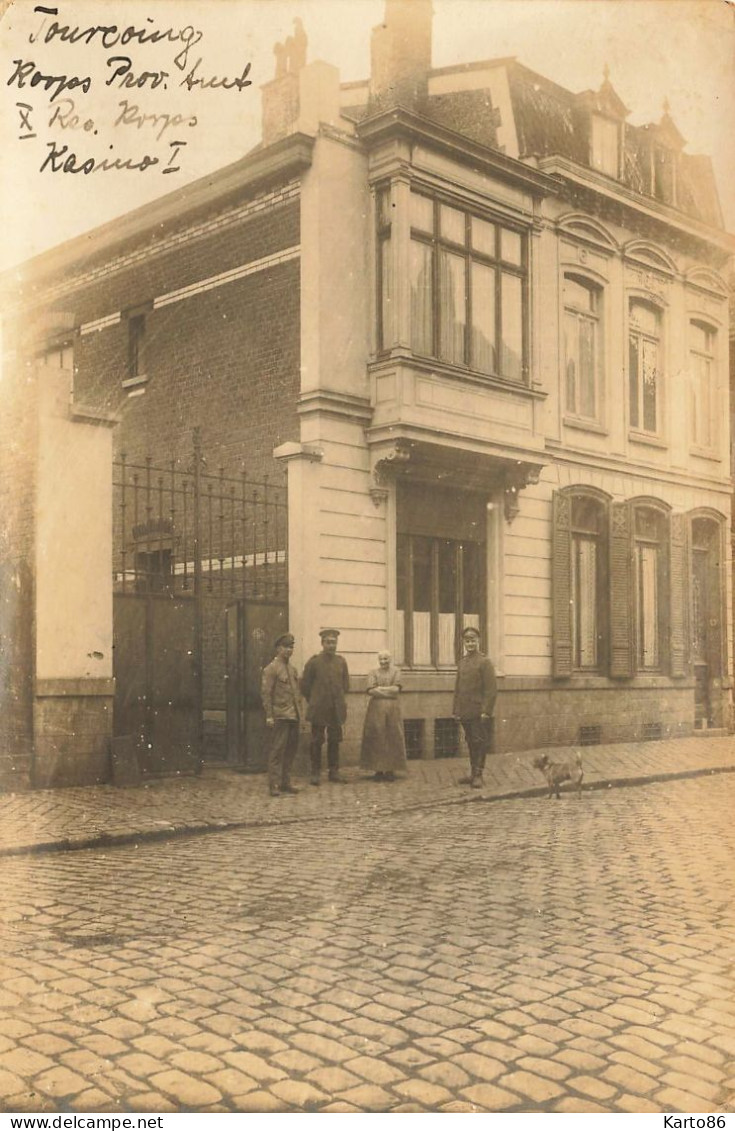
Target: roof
553, 121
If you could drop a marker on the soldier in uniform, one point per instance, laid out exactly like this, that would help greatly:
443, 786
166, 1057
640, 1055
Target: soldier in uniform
283, 714
474, 702
324, 684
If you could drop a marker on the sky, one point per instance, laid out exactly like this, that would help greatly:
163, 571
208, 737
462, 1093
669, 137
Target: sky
679, 50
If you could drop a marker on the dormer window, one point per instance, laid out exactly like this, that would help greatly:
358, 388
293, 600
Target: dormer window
606, 145
664, 174
666, 144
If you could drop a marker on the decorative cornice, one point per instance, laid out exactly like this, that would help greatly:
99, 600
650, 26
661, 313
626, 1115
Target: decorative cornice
413, 127
616, 192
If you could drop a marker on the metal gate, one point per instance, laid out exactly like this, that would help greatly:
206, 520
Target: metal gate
251, 628
189, 547
156, 680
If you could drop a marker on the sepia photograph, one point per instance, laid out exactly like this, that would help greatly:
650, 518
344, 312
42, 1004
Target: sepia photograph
367, 721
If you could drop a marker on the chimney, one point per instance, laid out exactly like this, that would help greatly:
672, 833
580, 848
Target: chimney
302, 95
401, 55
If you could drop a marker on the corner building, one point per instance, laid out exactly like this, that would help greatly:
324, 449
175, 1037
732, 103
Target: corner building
480, 325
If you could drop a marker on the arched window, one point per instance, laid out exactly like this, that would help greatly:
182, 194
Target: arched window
582, 347
702, 383
650, 581
644, 366
588, 577
708, 616
579, 584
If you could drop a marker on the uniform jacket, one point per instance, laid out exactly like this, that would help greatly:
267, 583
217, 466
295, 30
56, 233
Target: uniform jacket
279, 691
474, 691
323, 685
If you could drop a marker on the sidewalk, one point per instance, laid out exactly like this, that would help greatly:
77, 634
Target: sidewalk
75, 818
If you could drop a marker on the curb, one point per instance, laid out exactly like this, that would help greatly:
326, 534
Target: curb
113, 840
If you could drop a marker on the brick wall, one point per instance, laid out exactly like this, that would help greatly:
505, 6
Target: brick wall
225, 359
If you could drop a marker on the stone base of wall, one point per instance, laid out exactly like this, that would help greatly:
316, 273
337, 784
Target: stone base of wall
528, 715
566, 716
72, 722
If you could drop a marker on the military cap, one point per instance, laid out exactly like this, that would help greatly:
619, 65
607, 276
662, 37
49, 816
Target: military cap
471, 631
328, 632
286, 639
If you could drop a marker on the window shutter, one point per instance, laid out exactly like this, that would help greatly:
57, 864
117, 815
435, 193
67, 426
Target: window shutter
561, 585
678, 597
621, 593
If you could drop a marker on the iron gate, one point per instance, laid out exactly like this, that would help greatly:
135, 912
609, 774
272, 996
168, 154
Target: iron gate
187, 546
251, 628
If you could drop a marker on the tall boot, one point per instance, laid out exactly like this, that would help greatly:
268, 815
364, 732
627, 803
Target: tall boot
316, 762
477, 770
333, 761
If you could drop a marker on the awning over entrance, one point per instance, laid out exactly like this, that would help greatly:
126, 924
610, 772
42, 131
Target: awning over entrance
427, 463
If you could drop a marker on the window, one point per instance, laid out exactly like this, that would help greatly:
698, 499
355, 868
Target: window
588, 569
650, 560
384, 279
606, 146
136, 336
579, 581
644, 366
440, 574
702, 344
154, 571
582, 347
468, 289
664, 174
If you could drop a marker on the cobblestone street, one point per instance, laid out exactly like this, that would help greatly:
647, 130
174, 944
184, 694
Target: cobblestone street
523, 955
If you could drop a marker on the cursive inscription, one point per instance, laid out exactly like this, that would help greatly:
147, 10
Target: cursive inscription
29, 75
111, 35
158, 65
61, 159
132, 115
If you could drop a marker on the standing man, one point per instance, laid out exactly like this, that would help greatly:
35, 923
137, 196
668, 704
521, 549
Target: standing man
324, 684
474, 702
283, 713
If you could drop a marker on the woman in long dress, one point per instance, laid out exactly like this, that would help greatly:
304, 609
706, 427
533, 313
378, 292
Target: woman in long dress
383, 743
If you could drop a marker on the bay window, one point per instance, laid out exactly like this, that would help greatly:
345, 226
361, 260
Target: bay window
468, 279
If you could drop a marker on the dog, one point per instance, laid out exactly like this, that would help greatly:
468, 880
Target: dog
558, 772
